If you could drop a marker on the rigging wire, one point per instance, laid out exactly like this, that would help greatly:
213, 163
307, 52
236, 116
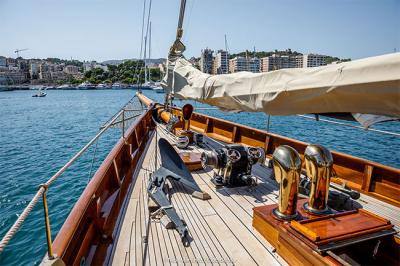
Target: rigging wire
93, 160
145, 41
143, 17
141, 47
350, 125
384, 132
148, 21
189, 18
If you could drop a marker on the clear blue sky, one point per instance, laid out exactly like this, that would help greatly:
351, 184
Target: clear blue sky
105, 29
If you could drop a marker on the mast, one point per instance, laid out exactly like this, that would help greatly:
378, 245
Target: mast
145, 43
226, 44
247, 61
144, 59
150, 49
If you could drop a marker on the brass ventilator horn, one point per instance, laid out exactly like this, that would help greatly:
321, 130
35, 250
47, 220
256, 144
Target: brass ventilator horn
287, 166
319, 164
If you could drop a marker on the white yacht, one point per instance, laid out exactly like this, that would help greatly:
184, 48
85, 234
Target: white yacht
86, 86
116, 85
64, 87
101, 86
159, 89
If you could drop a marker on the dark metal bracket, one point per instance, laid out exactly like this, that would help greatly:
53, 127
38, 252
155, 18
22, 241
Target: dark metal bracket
174, 168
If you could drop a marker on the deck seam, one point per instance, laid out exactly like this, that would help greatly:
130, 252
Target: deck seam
195, 221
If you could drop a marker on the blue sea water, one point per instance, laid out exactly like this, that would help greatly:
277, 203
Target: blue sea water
39, 135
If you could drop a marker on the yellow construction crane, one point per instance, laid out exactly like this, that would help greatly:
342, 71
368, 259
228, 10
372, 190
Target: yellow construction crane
19, 50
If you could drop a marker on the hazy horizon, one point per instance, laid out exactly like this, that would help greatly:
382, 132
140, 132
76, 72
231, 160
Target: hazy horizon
102, 30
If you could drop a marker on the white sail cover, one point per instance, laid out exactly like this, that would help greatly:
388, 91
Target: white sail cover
366, 86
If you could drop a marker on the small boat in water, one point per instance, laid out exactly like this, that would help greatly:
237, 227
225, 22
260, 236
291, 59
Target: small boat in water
40, 93
159, 90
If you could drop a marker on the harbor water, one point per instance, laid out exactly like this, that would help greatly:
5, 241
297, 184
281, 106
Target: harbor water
39, 135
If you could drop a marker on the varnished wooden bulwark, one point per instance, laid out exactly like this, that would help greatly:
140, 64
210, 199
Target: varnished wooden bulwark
374, 179
87, 234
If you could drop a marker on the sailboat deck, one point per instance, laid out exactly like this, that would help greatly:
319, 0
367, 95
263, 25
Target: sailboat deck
220, 229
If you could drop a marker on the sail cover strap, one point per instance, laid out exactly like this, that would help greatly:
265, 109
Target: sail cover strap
366, 86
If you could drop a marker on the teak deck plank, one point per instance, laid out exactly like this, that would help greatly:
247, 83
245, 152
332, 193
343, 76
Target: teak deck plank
221, 227
162, 237
237, 220
217, 251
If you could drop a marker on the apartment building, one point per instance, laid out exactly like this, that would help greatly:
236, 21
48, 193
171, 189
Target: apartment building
221, 63
13, 77
44, 71
206, 61
275, 62
70, 69
314, 60
241, 63
34, 70
3, 61
298, 61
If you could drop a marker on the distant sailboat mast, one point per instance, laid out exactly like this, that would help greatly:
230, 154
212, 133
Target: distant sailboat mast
144, 58
150, 49
145, 44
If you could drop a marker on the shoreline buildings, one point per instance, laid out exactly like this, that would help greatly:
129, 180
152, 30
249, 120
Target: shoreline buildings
221, 64
276, 61
39, 71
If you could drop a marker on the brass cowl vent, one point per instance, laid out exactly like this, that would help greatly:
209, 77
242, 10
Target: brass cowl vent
319, 163
287, 166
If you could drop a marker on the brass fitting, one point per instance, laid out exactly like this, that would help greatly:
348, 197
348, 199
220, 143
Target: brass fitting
319, 164
287, 166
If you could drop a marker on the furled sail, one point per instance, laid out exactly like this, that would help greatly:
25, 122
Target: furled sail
365, 86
